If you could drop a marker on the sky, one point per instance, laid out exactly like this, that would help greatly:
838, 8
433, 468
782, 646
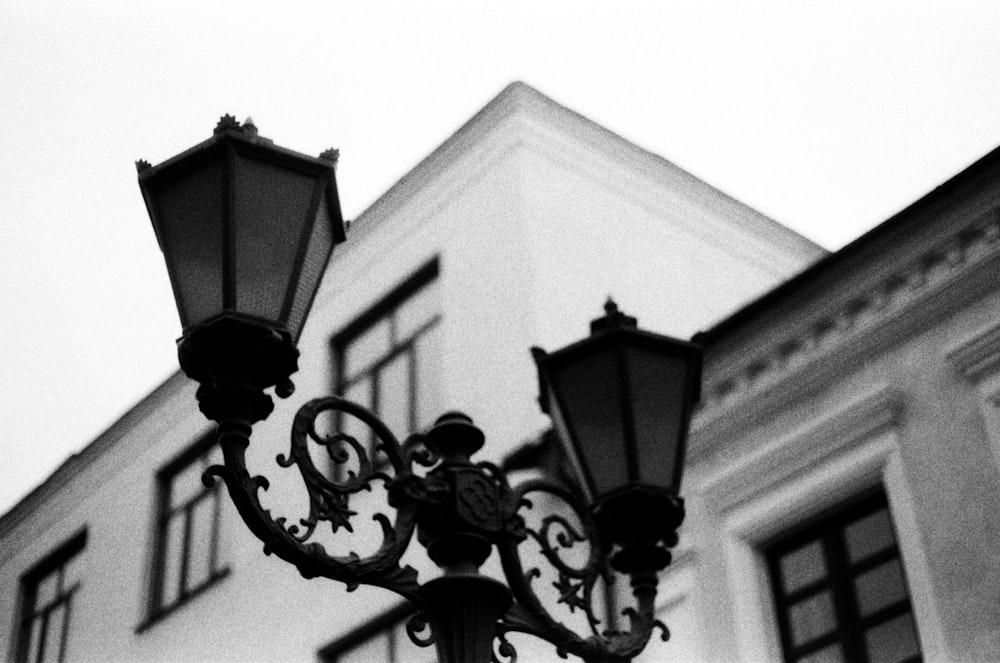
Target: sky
826, 116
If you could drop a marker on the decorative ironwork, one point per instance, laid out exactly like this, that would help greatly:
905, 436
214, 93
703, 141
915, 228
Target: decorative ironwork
418, 624
575, 584
329, 500
457, 501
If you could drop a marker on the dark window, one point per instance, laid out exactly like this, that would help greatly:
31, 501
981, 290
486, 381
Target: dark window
388, 359
840, 589
47, 593
187, 558
383, 639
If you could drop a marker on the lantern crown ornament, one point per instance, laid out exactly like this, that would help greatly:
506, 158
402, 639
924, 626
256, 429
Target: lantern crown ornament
247, 229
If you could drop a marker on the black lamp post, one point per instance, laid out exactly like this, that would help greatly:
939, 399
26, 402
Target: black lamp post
247, 229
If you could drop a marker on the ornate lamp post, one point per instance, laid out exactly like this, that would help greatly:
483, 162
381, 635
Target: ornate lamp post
247, 229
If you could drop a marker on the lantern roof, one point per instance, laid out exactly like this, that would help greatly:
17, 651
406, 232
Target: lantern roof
244, 137
605, 330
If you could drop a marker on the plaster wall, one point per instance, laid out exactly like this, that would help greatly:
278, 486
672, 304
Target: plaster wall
670, 257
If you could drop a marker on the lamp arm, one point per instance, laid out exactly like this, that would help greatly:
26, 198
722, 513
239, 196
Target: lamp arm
329, 500
575, 585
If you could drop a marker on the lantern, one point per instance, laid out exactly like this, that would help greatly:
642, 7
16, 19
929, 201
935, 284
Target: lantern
621, 401
247, 229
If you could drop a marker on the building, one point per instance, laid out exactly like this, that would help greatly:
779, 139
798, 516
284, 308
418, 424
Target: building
847, 436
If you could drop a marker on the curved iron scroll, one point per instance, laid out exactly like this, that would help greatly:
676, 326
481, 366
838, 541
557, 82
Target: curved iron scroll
328, 499
575, 585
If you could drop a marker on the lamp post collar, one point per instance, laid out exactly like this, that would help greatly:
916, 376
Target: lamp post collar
455, 438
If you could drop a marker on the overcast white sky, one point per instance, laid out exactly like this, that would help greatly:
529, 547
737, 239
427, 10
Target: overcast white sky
827, 116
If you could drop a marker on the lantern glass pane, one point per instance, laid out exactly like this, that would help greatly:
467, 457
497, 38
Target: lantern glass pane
313, 265
189, 214
658, 392
271, 206
588, 390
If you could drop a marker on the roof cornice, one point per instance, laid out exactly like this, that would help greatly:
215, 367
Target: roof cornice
521, 100
885, 233
797, 339
78, 462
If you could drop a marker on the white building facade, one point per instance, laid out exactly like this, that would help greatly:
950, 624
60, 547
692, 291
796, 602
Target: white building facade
853, 394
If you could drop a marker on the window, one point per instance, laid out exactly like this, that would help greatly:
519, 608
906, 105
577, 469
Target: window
840, 589
187, 559
47, 593
383, 639
387, 360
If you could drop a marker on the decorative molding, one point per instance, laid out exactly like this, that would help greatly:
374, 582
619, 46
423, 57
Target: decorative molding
841, 430
868, 461
521, 104
978, 355
848, 325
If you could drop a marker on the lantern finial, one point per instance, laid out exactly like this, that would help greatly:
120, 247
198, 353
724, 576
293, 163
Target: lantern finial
613, 319
249, 128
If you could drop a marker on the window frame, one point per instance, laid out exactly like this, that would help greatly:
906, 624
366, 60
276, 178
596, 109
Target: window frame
156, 608
829, 529
383, 624
385, 309
53, 562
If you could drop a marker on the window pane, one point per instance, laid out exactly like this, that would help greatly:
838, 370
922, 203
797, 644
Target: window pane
831, 654
893, 641
71, 573
186, 483
366, 349
880, 587
370, 651
213, 455
416, 312
428, 377
53, 635
173, 545
200, 544
803, 566
811, 618
394, 394
867, 536
46, 589
34, 641
361, 393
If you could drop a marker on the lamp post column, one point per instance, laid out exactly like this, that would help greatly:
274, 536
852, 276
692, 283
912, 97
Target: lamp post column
463, 510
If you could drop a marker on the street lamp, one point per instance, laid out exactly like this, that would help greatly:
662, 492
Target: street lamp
246, 229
